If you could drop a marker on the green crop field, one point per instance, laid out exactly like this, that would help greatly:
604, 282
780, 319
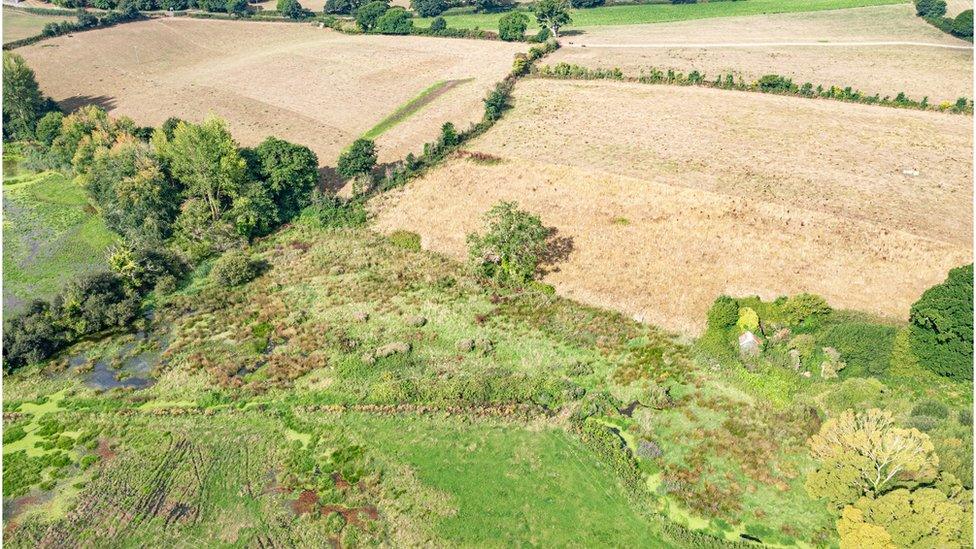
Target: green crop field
49, 234
662, 13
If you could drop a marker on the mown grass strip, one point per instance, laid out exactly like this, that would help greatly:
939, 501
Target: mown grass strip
661, 13
409, 108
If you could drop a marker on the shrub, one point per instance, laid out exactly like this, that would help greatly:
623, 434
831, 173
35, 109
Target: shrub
966, 417
31, 336
963, 24
586, 3
511, 26
233, 268
332, 212
748, 320
428, 8
48, 127
395, 21
805, 308
449, 135
238, 7
95, 302
931, 408
291, 9
775, 83
359, 158
497, 101
405, 239
865, 347
367, 15
724, 313
930, 8
438, 24
343, 7
488, 6
513, 246
941, 333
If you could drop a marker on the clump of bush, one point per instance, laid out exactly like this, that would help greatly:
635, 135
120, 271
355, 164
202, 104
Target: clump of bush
805, 309
930, 8
395, 21
512, 247
428, 8
234, 268
941, 333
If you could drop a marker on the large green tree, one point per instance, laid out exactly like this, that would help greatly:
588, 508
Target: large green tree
941, 333
289, 172
23, 102
205, 159
552, 14
359, 158
367, 15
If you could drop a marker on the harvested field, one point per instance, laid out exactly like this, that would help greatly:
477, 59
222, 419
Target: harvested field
312, 86
672, 196
942, 74
954, 7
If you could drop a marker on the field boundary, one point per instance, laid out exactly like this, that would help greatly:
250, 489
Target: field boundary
771, 84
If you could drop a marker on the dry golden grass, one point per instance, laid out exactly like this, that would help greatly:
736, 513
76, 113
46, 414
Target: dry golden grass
939, 73
673, 196
312, 86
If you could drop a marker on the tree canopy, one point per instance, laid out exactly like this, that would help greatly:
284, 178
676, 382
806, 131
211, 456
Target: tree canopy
941, 333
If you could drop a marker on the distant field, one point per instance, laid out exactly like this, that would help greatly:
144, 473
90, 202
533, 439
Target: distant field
942, 74
672, 196
312, 86
48, 237
658, 13
19, 24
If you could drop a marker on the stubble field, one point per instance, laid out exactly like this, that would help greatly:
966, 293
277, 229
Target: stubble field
672, 196
308, 85
874, 49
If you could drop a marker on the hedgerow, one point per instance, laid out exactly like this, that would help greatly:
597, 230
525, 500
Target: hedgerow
770, 83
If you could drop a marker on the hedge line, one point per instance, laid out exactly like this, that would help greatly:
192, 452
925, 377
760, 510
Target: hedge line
770, 83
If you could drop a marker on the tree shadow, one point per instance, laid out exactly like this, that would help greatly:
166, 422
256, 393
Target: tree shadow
329, 180
75, 102
558, 249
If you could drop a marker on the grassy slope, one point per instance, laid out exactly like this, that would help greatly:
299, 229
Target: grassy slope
48, 237
20, 24
661, 13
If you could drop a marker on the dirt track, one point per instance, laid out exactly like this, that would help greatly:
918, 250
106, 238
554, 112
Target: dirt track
312, 86
672, 196
884, 50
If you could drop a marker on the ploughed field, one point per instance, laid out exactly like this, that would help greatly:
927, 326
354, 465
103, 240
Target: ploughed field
671, 196
308, 85
851, 47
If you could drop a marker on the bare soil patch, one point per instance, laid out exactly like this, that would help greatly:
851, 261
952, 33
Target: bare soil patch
312, 86
673, 196
919, 71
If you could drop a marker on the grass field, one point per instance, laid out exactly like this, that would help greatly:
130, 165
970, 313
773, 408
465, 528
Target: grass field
673, 196
189, 68
941, 74
48, 235
660, 13
20, 24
